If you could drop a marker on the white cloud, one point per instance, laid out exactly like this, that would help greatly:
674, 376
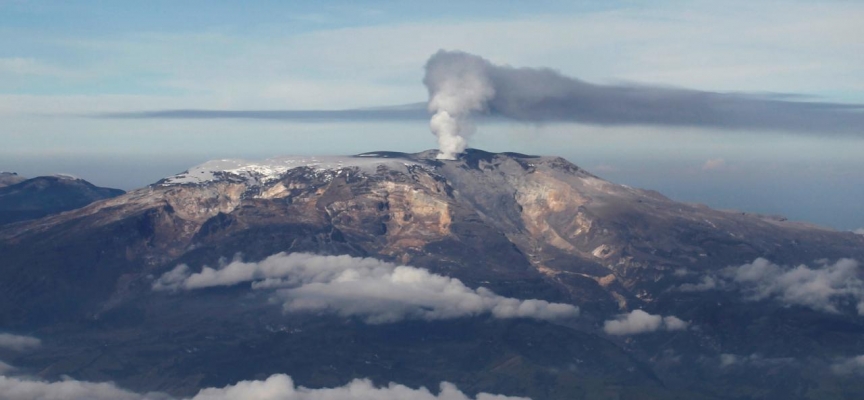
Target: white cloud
5, 368
859, 231
276, 387
12, 388
851, 365
377, 291
30, 66
707, 283
17, 342
672, 323
638, 321
820, 289
281, 387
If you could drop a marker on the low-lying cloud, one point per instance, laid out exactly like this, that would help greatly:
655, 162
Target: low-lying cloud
12, 388
407, 112
753, 360
374, 290
850, 365
276, 387
18, 342
824, 288
638, 321
819, 289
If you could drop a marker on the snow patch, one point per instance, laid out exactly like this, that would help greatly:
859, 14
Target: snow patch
256, 173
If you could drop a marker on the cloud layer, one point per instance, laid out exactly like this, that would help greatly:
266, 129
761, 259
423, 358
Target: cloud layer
17, 342
638, 321
276, 387
823, 288
377, 291
851, 365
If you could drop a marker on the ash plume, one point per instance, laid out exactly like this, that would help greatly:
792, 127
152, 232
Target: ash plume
458, 85
462, 84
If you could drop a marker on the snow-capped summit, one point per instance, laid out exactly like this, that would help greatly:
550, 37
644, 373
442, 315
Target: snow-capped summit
256, 173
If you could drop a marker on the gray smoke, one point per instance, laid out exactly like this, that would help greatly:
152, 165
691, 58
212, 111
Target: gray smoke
462, 84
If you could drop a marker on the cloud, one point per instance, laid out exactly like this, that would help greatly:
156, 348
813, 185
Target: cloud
281, 387
377, 291
5, 368
12, 388
276, 387
18, 343
851, 365
30, 66
756, 360
859, 231
638, 321
407, 112
707, 283
820, 289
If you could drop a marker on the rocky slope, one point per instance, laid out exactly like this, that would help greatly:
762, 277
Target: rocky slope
522, 226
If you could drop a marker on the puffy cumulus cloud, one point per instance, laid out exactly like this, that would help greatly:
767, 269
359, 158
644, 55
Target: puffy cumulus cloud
706, 283
17, 342
276, 387
638, 321
821, 289
281, 387
850, 365
377, 291
12, 388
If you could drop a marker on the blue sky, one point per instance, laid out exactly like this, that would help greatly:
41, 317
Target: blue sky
63, 62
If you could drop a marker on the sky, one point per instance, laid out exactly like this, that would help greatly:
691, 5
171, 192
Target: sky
67, 67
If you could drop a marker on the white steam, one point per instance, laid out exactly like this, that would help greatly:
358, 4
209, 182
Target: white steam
458, 86
377, 291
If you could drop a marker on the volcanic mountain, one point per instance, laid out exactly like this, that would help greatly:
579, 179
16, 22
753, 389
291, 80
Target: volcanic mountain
23, 199
151, 289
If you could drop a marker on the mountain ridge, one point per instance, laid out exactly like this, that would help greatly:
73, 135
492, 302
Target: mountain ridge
520, 226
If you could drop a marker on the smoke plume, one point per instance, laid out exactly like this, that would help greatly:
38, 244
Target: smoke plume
462, 84
458, 85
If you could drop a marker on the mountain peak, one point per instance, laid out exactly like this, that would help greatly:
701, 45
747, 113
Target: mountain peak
262, 172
